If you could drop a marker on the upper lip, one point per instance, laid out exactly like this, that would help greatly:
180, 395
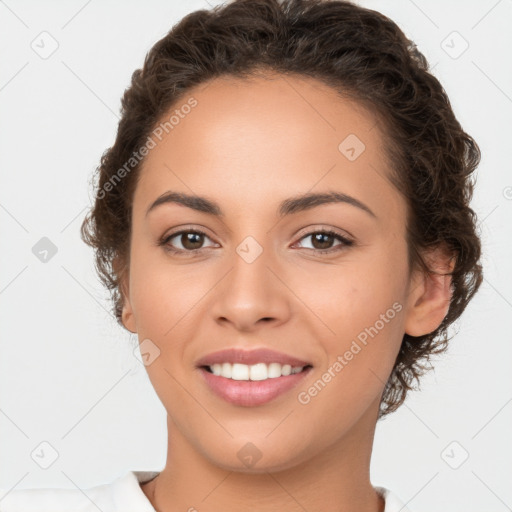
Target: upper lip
249, 357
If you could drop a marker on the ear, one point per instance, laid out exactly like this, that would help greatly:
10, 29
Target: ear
127, 317
430, 293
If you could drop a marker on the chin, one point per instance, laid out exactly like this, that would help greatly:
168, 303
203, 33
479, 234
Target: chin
258, 456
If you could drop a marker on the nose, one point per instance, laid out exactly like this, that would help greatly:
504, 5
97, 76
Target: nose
253, 293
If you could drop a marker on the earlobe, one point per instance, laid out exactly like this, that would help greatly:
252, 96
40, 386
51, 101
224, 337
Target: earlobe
430, 296
127, 316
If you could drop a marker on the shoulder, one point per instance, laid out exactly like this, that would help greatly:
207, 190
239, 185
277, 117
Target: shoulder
393, 502
123, 494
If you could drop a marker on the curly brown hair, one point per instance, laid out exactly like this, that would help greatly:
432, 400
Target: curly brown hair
361, 54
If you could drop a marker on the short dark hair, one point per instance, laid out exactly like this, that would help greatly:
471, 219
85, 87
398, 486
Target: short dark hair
363, 55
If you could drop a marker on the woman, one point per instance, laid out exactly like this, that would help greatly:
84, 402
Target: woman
284, 221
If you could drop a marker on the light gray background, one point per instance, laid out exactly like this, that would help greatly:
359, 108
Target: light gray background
67, 372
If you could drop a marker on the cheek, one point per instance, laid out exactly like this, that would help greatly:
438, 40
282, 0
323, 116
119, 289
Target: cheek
163, 299
363, 307
366, 317
162, 295
355, 295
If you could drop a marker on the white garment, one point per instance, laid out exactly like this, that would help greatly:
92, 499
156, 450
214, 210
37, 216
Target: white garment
122, 495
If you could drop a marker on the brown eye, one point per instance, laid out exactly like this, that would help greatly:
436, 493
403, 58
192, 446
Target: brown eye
191, 240
185, 241
324, 241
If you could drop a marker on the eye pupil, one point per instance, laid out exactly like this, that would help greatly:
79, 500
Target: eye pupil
321, 237
196, 239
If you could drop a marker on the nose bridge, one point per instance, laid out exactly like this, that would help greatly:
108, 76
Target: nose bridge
251, 290
250, 275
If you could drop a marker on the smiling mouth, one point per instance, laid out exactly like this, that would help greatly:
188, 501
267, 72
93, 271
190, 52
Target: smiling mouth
254, 372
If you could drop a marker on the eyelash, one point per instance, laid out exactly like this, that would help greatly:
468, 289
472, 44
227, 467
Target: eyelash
165, 242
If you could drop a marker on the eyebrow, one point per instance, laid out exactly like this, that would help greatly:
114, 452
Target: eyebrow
287, 207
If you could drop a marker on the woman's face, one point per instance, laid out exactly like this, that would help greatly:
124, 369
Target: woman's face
263, 276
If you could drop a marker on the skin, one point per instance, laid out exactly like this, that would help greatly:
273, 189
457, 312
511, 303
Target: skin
248, 145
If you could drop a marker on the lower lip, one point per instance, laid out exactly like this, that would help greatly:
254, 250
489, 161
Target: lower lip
250, 393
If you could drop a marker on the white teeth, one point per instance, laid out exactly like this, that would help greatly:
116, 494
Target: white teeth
274, 370
240, 372
286, 369
226, 370
259, 371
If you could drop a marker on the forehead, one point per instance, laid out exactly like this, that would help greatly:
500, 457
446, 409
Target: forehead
248, 138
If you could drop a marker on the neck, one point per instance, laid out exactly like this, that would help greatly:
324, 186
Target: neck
335, 479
